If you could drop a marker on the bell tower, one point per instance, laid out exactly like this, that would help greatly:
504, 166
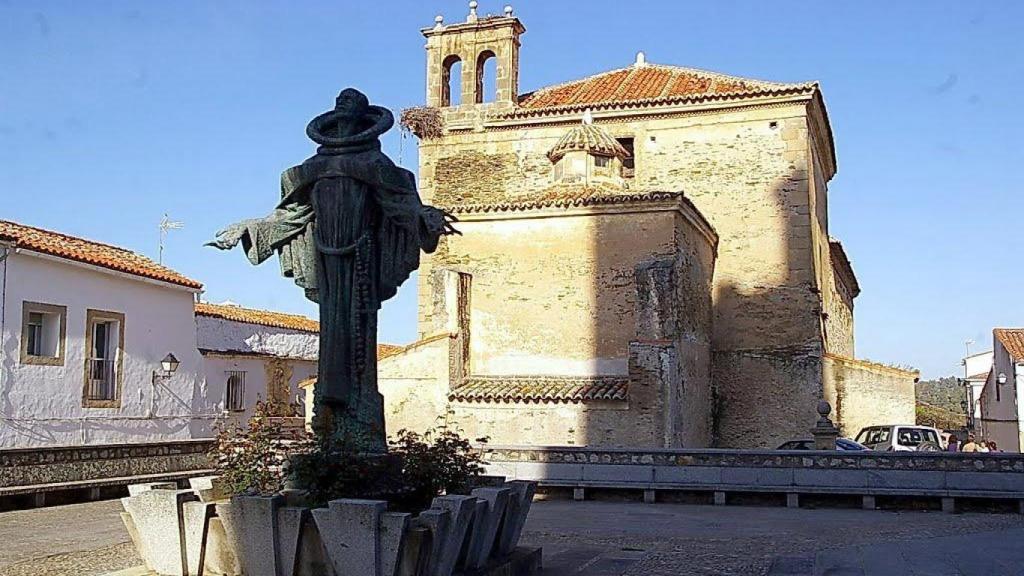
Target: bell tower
467, 46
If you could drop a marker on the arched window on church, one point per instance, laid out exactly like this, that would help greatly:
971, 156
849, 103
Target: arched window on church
486, 76
451, 81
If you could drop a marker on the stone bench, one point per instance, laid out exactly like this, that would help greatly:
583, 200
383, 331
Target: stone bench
868, 475
40, 491
793, 493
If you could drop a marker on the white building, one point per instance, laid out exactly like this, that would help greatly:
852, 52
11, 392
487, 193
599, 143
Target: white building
83, 329
255, 354
1003, 394
976, 369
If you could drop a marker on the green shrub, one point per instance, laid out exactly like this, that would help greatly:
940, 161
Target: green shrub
439, 461
258, 459
415, 470
251, 459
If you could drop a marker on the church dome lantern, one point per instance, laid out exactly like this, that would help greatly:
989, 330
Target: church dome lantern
587, 152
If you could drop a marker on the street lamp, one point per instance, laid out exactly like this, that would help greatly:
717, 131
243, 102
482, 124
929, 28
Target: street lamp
169, 364
1000, 380
965, 402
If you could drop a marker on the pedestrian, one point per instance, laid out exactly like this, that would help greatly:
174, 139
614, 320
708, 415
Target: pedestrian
954, 443
971, 445
992, 446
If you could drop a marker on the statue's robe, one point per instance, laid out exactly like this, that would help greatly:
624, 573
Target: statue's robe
348, 230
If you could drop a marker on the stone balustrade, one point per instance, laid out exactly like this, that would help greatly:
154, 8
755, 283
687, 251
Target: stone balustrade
179, 532
39, 470
947, 476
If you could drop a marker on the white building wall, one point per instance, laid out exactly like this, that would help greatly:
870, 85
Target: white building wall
42, 405
231, 345
979, 363
1000, 416
217, 366
1018, 388
231, 336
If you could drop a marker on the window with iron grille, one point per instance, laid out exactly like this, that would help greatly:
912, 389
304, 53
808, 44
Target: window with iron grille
235, 394
104, 349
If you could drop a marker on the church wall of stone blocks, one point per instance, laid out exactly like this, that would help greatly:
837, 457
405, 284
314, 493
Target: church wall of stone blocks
645, 258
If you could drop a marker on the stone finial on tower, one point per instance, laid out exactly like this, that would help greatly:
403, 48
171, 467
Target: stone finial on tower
508, 10
641, 59
438, 22
472, 11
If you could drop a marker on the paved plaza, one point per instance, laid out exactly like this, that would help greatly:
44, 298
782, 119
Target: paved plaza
619, 538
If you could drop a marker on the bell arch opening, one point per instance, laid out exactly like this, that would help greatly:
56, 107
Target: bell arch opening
451, 81
486, 77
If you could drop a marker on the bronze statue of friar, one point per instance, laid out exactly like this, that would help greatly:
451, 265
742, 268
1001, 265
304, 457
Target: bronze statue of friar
348, 229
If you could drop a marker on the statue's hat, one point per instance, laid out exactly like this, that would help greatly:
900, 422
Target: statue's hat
350, 107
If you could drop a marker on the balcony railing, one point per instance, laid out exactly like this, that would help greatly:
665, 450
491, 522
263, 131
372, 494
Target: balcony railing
101, 383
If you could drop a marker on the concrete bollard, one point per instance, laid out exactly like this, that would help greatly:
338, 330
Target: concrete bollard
481, 542
350, 530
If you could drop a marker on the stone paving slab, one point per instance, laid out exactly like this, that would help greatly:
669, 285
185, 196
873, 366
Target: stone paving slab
994, 553
632, 539
597, 538
40, 532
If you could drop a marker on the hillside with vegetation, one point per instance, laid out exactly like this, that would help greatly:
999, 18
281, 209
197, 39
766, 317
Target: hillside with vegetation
938, 403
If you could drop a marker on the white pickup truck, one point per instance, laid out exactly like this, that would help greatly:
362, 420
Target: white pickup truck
901, 438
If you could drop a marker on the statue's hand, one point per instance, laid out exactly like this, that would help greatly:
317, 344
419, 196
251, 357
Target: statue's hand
229, 237
439, 222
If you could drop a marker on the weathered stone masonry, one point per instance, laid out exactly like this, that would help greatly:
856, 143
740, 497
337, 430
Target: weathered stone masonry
759, 300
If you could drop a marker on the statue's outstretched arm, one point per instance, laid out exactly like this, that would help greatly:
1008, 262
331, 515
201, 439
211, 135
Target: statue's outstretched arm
434, 223
260, 237
229, 237
438, 222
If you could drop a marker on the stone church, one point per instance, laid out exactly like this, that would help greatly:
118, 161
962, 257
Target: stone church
645, 259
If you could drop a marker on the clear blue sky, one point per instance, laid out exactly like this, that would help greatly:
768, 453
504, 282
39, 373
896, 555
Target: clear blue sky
112, 113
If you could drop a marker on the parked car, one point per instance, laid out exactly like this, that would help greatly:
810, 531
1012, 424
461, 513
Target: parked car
901, 438
808, 444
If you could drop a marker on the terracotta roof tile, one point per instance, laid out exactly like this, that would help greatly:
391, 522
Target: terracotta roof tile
567, 196
541, 389
688, 84
652, 84
387, 350
259, 317
1012, 339
647, 82
979, 376
90, 252
588, 138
